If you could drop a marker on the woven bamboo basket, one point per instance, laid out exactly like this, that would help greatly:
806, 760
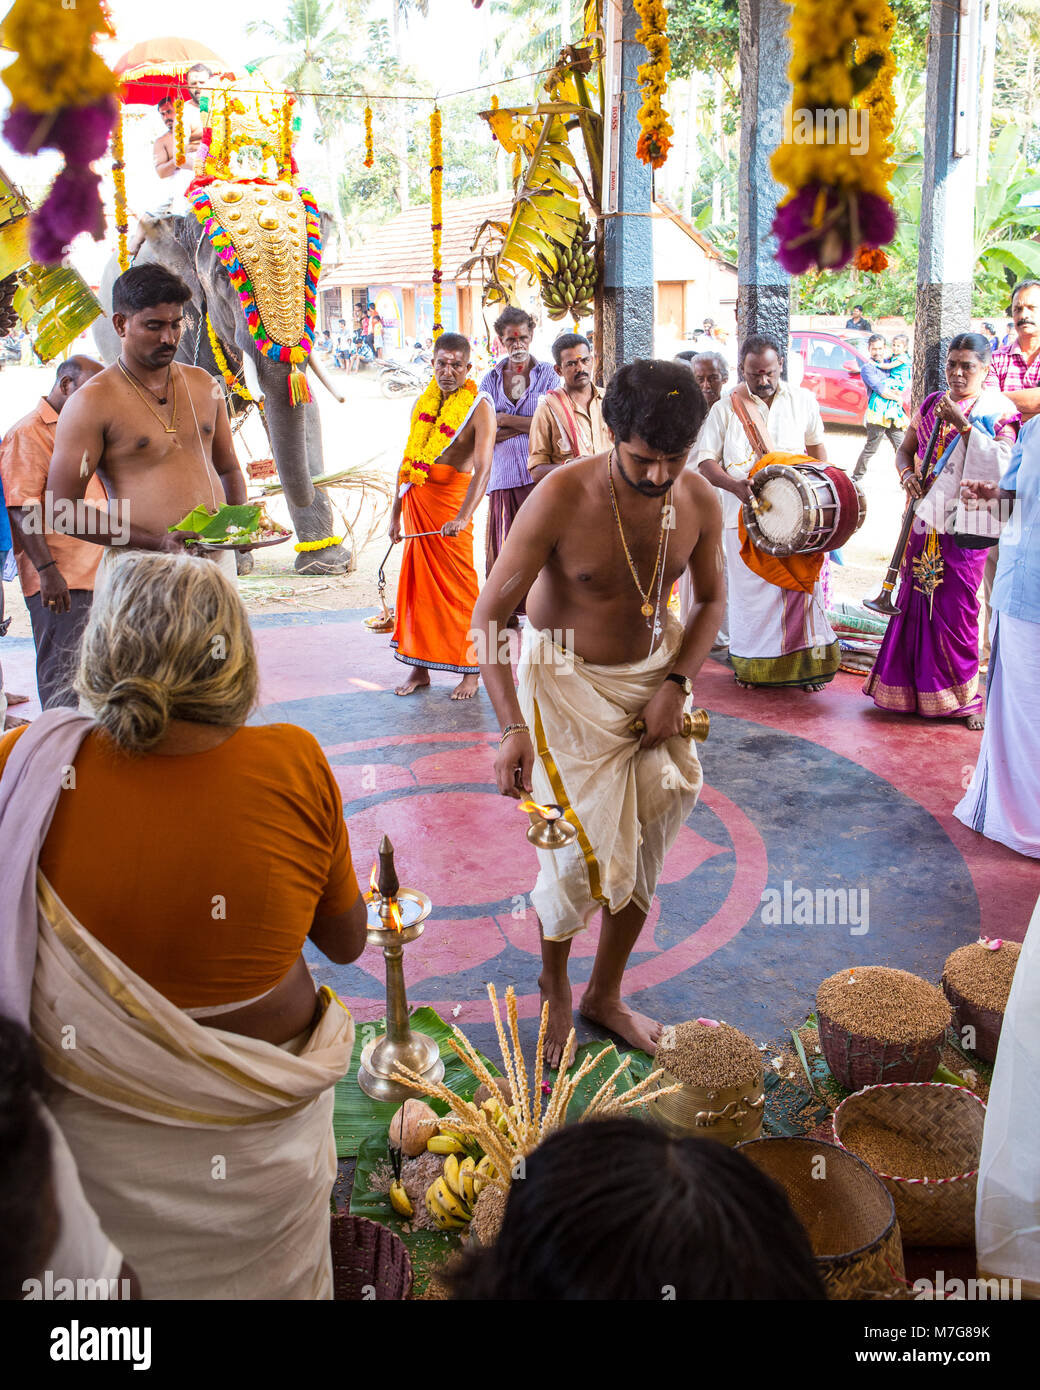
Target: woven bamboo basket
365, 1255
940, 1211
848, 1215
856, 1061
986, 1023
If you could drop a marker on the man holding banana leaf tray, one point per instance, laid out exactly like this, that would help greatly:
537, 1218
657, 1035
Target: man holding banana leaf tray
929, 661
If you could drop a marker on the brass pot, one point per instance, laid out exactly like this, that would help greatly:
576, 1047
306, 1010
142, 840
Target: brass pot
730, 1115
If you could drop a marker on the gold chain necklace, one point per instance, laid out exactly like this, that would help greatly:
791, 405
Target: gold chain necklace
170, 428
647, 608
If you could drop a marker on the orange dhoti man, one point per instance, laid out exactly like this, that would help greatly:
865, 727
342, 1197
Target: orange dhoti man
437, 590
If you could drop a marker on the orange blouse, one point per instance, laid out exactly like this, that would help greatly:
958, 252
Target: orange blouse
202, 872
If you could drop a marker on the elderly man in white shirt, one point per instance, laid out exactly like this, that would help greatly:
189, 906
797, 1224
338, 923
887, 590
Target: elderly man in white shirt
777, 636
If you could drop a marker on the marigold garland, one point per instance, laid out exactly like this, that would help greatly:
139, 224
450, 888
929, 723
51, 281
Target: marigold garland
178, 131
223, 366
437, 420
370, 156
838, 204
119, 185
286, 139
436, 213
656, 131
326, 544
62, 97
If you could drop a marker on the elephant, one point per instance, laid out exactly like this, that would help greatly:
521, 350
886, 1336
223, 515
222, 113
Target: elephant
179, 243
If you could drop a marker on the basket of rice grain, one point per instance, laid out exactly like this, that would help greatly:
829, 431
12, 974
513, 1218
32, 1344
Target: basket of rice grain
365, 1255
923, 1141
720, 1072
878, 1024
976, 979
848, 1216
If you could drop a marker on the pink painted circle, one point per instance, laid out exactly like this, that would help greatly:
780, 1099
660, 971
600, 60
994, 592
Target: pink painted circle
465, 846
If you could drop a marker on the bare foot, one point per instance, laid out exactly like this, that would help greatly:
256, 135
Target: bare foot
561, 1021
466, 688
418, 679
744, 685
814, 686
976, 722
13, 699
615, 1015
12, 721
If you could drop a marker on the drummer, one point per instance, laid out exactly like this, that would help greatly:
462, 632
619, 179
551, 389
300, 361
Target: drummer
777, 636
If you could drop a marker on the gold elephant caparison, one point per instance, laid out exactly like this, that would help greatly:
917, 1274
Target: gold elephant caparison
267, 224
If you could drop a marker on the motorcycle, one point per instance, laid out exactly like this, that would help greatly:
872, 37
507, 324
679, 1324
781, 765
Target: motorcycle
396, 380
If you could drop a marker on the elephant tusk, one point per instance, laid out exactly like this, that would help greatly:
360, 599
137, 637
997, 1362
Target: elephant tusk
319, 372
252, 377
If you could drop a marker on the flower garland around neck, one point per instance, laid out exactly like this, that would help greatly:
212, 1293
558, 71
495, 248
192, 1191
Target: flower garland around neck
438, 419
838, 207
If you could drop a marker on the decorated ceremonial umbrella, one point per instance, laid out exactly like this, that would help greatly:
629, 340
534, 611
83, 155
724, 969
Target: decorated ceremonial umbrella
156, 69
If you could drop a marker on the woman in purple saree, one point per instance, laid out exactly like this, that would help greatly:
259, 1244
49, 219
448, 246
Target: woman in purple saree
929, 660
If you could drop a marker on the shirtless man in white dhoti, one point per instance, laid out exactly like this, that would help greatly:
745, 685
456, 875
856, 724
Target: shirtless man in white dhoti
596, 548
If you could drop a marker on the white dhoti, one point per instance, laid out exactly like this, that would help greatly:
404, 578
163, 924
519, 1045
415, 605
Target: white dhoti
627, 804
1003, 797
776, 636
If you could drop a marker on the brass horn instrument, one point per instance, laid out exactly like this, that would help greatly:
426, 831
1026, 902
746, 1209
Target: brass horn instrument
883, 603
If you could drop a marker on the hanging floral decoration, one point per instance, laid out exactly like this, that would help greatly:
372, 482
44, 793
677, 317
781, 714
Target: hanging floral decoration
436, 213
223, 366
835, 159
63, 98
655, 128
178, 131
285, 155
370, 154
494, 107
119, 186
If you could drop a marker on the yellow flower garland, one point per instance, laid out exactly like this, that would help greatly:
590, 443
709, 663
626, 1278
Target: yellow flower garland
436, 213
56, 64
370, 157
437, 420
119, 185
286, 139
178, 131
223, 366
827, 42
326, 544
656, 131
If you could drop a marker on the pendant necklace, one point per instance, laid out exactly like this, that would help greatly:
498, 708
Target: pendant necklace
647, 608
170, 428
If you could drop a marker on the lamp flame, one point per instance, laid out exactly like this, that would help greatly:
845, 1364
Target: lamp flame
546, 812
373, 878
394, 915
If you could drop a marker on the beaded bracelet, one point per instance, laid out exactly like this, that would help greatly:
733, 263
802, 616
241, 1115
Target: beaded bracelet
512, 729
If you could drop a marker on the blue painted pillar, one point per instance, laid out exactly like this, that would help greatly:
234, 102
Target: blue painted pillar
628, 251
763, 294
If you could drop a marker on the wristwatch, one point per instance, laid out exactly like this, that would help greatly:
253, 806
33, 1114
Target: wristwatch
684, 681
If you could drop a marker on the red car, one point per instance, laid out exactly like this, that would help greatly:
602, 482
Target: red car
831, 372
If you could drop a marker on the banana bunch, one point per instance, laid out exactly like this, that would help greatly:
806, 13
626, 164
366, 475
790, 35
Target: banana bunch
497, 1115
451, 1199
447, 1141
568, 290
8, 317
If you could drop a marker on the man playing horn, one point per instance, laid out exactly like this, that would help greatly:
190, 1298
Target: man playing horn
596, 549
440, 484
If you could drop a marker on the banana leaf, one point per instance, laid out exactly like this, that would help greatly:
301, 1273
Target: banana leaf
213, 526
56, 305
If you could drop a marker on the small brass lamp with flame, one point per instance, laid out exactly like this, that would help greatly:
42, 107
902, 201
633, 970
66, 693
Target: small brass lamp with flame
395, 916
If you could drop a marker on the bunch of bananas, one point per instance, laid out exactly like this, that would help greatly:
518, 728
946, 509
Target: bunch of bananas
568, 290
8, 317
451, 1199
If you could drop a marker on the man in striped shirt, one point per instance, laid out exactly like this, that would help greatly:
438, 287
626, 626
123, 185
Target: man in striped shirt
515, 385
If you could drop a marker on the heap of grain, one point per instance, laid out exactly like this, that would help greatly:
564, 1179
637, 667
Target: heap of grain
488, 1215
976, 980
720, 1069
878, 1025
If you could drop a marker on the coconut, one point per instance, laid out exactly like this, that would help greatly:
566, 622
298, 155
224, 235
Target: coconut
505, 1092
412, 1126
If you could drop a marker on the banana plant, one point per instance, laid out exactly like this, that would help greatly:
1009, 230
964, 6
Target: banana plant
555, 179
56, 305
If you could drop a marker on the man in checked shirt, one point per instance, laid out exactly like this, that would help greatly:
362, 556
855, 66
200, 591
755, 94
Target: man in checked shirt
1015, 370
